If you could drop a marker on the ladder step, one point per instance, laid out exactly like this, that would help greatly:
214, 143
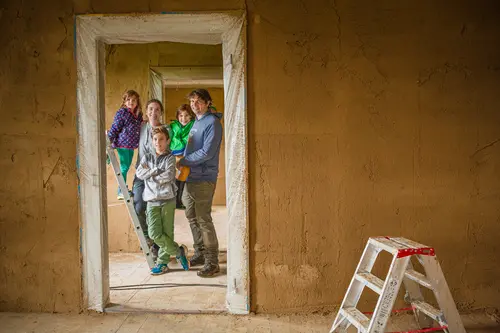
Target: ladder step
408, 243
429, 310
356, 318
371, 281
386, 244
419, 278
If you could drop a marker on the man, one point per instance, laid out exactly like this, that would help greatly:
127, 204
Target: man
202, 156
154, 111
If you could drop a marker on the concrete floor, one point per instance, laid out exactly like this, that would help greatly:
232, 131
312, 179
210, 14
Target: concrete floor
150, 293
182, 231
168, 292
156, 323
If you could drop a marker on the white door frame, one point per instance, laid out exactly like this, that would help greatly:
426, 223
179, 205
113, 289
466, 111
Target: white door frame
92, 33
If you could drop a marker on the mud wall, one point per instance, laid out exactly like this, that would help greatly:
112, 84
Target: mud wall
40, 266
365, 118
127, 67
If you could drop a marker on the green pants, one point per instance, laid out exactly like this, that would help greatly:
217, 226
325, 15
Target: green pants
125, 156
160, 221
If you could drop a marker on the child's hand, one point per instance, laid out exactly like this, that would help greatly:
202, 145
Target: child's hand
145, 166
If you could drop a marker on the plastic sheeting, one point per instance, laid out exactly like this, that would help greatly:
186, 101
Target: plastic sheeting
155, 85
92, 32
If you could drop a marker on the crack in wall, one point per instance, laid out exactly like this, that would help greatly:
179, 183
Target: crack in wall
426, 75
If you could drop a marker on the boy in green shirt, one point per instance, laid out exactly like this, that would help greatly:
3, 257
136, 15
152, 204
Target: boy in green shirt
180, 129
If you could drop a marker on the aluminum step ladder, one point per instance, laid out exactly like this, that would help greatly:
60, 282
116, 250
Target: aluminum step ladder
400, 273
129, 203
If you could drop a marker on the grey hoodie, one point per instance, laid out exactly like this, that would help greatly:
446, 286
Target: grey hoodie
146, 142
158, 173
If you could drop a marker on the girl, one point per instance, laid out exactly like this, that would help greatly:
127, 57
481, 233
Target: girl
180, 132
125, 131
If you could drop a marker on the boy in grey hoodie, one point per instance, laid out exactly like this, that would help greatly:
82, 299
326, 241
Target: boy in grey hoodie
154, 111
157, 169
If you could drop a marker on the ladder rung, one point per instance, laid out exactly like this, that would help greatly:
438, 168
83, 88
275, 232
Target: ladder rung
386, 244
408, 243
371, 281
429, 310
419, 278
355, 317
129, 202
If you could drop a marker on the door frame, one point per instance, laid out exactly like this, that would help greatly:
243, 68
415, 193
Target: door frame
92, 33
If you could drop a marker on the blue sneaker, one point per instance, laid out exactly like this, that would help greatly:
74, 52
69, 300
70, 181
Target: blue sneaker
181, 258
159, 269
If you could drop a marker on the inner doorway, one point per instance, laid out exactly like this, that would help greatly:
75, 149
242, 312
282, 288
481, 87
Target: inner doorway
180, 68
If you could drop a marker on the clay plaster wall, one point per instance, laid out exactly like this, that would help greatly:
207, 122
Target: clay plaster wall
127, 67
365, 118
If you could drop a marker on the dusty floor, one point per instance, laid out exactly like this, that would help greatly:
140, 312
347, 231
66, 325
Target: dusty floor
183, 231
152, 323
173, 291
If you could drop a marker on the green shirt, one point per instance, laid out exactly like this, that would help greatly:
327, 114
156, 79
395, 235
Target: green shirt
180, 135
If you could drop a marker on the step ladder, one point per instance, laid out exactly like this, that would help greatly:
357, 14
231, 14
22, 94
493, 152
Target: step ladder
400, 272
129, 203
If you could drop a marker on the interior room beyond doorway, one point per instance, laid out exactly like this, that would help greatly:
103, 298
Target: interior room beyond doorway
132, 287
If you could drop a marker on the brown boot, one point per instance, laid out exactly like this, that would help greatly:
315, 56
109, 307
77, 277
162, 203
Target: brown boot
209, 270
197, 259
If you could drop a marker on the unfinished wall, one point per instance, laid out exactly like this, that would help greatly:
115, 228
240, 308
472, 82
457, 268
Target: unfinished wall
127, 67
39, 220
365, 118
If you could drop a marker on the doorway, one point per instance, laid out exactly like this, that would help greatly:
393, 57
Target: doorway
180, 68
93, 32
